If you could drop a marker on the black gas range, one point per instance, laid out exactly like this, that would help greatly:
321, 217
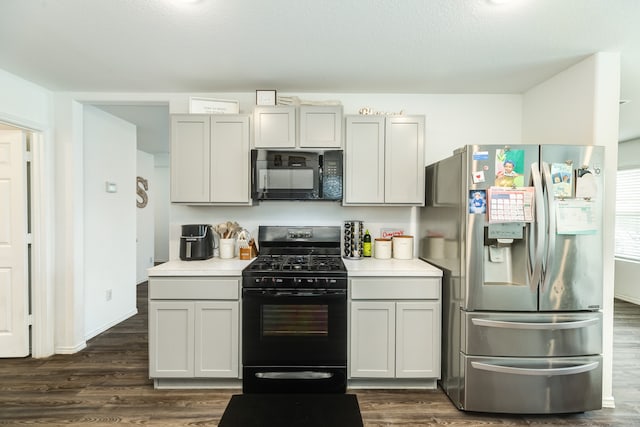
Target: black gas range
294, 312
297, 257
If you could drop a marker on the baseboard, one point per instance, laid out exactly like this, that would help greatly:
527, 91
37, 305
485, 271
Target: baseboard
103, 328
632, 300
608, 402
197, 383
71, 350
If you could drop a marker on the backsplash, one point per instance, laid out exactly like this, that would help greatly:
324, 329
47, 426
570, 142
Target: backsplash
289, 213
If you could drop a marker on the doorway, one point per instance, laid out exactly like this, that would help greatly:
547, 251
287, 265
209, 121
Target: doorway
15, 241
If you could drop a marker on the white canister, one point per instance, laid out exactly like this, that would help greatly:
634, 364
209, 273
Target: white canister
382, 248
436, 247
227, 248
450, 249
403, 247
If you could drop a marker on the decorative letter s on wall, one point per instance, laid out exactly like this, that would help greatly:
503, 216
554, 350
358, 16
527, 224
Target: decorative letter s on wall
142, 186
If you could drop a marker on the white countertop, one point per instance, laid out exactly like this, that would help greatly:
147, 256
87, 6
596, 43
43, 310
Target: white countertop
391, 267
210, 267
233, 267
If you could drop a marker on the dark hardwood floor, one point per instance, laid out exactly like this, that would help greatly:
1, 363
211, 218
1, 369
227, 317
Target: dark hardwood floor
107, 383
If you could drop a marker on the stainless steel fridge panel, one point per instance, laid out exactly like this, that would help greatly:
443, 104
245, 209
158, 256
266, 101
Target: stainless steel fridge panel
573, 272
451, 379
532, 334
497, 272
532, 386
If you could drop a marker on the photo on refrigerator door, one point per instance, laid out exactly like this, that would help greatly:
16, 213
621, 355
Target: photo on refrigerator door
509, 166
477, 201
561, 174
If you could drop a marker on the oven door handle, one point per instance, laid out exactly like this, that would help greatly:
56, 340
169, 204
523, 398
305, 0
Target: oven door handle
307, 293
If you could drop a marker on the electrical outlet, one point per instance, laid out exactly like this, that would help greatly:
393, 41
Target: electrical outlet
109, 294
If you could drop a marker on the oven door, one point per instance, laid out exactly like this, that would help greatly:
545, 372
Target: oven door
294, 327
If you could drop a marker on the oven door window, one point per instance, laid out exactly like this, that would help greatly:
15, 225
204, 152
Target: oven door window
295, 320
294, 329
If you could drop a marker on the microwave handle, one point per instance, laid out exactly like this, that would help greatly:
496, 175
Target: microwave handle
321, 175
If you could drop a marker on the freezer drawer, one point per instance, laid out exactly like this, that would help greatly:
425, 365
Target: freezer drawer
531, 334
532, 386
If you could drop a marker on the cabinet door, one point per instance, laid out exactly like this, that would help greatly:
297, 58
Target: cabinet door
321, 126
230, 158
216, 339
190, 153
274, 127
171, 337
404, 160
372, 339
364, 160
418, 339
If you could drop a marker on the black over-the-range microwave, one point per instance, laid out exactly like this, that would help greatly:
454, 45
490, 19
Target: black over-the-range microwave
296, 175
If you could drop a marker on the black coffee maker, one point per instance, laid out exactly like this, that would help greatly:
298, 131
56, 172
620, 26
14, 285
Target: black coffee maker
196, 242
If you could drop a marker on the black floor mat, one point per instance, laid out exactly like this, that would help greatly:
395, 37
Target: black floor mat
288, 410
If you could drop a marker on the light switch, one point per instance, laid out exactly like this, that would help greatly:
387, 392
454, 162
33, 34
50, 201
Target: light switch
111, 187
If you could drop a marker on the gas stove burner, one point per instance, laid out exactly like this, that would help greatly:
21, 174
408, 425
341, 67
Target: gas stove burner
310, 261
297, 263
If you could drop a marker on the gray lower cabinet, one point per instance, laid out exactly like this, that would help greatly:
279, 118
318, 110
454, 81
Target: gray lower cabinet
395, 328
194, 327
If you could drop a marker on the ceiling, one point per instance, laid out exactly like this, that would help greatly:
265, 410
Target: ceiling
388, 46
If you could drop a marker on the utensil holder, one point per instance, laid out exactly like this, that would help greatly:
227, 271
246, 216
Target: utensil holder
227, 248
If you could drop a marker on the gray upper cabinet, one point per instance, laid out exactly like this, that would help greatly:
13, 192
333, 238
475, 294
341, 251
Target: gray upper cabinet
384, 160
321, 126
274, 127
210, 159
309, 126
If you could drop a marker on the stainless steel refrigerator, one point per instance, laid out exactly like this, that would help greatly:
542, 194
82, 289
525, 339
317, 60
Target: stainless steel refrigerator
517, 231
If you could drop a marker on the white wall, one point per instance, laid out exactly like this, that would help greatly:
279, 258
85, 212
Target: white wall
580, 106
160, 193
25, 103
109, 155
145, 217
627, 286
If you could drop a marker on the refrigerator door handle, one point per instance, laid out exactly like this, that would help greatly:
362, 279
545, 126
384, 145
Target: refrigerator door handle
551, 227
537, 227
546, 326
532, 371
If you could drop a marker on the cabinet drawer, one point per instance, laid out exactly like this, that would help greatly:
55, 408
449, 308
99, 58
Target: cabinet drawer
531, 334
572, 384
394, 288
223, 288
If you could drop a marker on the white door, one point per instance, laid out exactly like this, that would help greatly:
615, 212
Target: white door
14, 294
